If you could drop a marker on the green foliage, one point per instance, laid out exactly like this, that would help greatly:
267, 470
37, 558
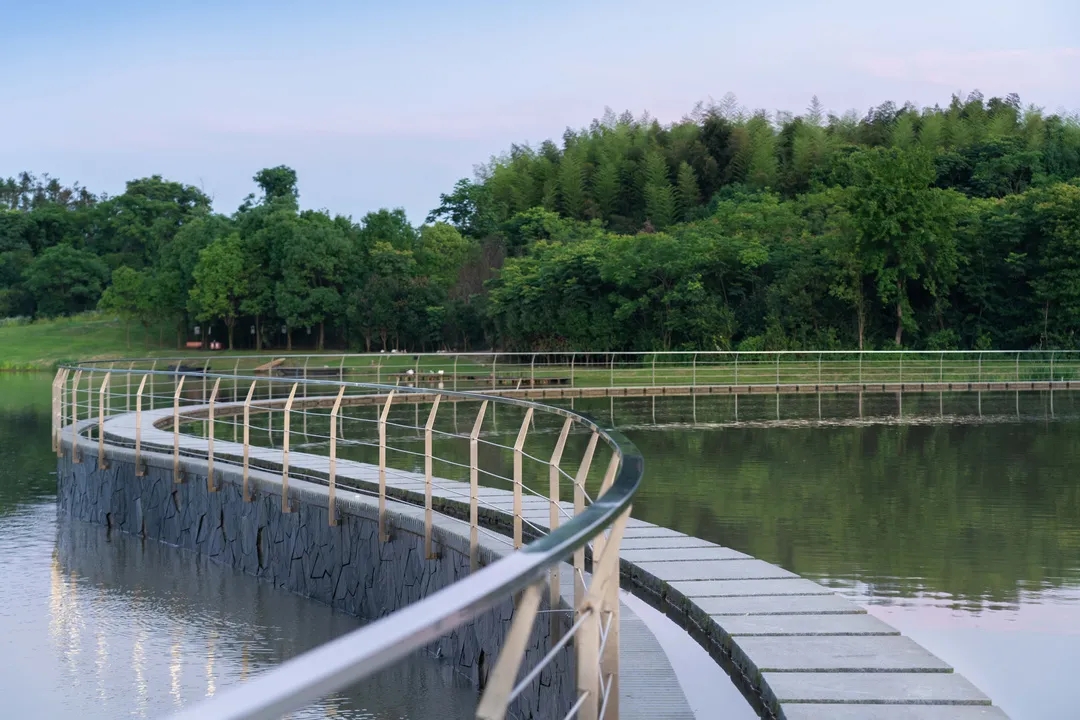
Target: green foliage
220, 282
943, 227
65, 281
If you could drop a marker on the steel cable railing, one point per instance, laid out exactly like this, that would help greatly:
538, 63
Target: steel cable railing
316, 429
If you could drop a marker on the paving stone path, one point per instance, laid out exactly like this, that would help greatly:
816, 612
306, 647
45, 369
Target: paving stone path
798, 649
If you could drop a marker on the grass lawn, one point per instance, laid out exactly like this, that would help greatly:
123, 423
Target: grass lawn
42, 345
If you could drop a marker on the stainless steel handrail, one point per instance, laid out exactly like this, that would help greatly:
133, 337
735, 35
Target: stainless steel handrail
299, 681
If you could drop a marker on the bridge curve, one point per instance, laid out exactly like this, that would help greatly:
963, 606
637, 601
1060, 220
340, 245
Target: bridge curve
796, 649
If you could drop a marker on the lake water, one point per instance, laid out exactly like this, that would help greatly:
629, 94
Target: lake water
956, 519
961, 531
94, 625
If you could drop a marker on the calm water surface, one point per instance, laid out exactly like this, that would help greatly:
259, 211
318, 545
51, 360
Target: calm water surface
94, 625
963, 532
956, 519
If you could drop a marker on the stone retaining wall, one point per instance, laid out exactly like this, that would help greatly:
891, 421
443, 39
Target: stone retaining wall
345, 566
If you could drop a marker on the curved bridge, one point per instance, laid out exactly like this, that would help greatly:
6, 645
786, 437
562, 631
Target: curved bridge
322, 479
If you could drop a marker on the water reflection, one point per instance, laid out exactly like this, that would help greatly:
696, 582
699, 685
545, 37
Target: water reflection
100, 626
156, 617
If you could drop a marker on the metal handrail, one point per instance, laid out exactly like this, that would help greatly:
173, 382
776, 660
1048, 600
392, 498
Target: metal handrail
299, 681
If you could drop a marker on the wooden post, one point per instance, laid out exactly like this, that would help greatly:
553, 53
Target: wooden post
285, 506
177, 477
519, 458
579, 507
75, 458
606, 583
573, 358
496, 697
474, 488
102, 465
532, 372
247, 438
211, 486
554, 486
494, 362
383, 534
428, 461
331, 493
139, 470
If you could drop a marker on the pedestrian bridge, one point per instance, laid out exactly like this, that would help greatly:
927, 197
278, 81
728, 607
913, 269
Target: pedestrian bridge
492, 531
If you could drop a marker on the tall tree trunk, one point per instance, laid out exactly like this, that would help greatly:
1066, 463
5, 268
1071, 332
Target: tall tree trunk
231, 326
322, 335
367, 342
258, 332
288, 338
862, 325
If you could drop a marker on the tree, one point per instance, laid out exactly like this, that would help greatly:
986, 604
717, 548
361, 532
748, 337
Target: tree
130, 296
687, 192
278, 184
660, 202
312, 261
65, 281
468, 208
220, 282
904, 228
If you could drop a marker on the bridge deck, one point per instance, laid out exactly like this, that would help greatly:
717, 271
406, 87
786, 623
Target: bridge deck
807, 652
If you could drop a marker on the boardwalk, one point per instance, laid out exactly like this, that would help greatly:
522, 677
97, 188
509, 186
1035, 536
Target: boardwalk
796, 648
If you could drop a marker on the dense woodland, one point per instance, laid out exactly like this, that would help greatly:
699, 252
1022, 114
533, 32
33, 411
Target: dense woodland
944, 227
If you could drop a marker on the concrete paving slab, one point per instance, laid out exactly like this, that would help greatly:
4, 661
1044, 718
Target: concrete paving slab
714, 570
649, 531
893, 712
681, 541
779, 625
778, 605
807, 654
875, 687
748, 588
682, 554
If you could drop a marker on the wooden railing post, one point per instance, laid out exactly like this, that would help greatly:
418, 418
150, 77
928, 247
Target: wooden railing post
211, 485
247, 439
532, 371
102, 406
519, 458
58, 408
332, 491
573, 359
554, 486
493, 703
603, 598
383, 534
139, 471
177, 476
579, 507
494, 362
428, 476
474, 488
75, 457
286, 507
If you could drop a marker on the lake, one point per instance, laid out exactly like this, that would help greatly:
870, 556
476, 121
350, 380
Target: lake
99, 625
956, 519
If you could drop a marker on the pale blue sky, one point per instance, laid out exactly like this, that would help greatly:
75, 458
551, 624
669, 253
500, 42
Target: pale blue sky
388, 104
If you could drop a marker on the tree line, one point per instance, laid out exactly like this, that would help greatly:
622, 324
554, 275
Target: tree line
939, 228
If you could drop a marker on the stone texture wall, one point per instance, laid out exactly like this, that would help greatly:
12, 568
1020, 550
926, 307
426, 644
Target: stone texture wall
345, 566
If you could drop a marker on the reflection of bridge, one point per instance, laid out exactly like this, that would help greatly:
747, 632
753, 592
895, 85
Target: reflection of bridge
444, 553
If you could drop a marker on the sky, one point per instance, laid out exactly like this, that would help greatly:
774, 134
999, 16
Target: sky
388, 104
